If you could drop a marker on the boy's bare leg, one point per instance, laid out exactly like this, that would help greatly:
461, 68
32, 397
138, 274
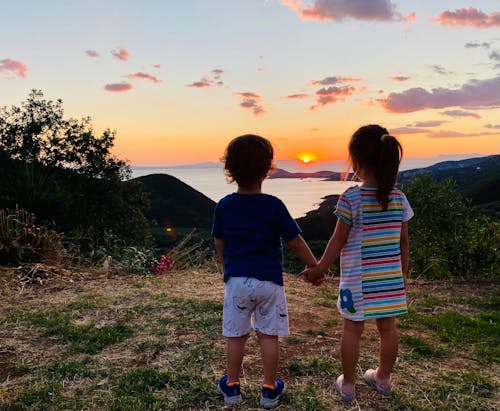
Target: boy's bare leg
270, 353
235, 350
388, 351
349, 349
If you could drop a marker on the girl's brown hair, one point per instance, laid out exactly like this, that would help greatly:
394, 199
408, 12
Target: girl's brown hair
373, 148
248, 159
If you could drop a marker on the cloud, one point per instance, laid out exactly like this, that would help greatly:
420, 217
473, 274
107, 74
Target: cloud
475, 93
299, 96
157, 66
215, 78
339, 10
118, 87
440, 70
492, 126
204, 82
120, 54
476, 45
331, 95
145, 76
459, 113
399, 78
468, 17
13, 68
408, 130
495, 55
91, 53
450, 133
251, 101
429, 123
329, 81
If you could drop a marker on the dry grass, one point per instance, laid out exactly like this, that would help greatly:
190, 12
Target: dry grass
175, 354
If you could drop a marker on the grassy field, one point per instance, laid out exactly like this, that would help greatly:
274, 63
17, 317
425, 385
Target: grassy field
83, 341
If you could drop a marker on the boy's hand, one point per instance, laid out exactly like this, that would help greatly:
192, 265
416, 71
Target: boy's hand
313, 275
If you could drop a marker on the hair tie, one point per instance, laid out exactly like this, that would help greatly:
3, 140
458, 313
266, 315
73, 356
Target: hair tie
384, 136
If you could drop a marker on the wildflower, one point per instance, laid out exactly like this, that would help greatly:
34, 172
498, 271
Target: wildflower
163, 265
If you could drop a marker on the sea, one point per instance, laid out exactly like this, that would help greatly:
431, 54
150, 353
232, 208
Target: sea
299, 195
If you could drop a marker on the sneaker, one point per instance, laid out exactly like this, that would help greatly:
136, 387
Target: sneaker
347, 391
231, 392
382, 387
270, 397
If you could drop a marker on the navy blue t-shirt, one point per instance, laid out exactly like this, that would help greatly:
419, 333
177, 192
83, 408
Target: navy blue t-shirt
252, 226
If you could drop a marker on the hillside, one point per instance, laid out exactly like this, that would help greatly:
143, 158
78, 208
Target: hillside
176, 204
327, 175
97, 342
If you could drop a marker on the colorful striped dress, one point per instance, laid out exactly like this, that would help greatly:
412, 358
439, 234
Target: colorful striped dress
371, 280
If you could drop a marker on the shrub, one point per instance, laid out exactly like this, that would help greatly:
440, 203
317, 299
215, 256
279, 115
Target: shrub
21, 240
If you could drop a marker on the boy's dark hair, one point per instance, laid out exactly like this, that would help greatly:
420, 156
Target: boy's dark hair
373, 148
248, 159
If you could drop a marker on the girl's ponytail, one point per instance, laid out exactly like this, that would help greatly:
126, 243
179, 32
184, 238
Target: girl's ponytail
372, 147
386, 168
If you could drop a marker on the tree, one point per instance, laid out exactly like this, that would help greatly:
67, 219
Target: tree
58, 169
38, 132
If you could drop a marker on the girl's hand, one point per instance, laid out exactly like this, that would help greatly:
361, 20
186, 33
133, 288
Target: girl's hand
313, 275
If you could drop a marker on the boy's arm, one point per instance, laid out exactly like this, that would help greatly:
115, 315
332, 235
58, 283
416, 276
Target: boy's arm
302, 251
332, 252
405, 249
219, 247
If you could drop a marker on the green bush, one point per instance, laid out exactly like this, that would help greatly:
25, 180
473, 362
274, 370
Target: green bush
445, 237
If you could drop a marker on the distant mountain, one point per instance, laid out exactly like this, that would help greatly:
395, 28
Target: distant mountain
330, 175
176, 204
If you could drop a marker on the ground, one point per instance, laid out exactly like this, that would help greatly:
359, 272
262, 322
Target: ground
94, 341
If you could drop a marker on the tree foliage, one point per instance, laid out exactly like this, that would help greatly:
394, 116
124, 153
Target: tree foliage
58, 169
37, 132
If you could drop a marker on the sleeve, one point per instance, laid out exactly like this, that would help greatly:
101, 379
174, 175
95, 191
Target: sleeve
343, 210
217, 224
407, 210
288, 227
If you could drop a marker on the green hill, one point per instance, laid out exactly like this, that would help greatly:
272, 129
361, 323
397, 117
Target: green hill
176, 204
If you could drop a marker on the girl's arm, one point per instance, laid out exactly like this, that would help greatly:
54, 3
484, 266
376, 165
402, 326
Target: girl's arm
302, 251
405, 249
219, 247
337, 241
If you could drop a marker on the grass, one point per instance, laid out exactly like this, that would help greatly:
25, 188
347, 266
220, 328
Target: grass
153, 343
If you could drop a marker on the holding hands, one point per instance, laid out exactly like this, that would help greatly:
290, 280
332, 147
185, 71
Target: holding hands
314, 275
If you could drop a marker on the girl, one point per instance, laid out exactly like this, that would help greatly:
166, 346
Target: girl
371, 237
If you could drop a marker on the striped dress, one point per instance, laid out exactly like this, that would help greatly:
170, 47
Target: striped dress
371, 280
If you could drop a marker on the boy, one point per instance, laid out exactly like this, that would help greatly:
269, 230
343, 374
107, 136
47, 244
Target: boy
247, 230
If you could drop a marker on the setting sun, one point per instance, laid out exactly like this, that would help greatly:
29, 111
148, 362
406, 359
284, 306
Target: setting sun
306, 157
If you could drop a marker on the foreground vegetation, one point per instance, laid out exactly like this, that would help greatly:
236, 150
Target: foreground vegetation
86, 341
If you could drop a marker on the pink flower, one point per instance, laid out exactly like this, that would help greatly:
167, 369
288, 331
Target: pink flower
163, 265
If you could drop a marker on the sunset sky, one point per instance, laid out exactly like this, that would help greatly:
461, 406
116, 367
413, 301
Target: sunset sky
178, 79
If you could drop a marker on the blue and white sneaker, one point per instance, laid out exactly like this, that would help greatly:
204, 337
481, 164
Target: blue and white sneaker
231, 392
270, 397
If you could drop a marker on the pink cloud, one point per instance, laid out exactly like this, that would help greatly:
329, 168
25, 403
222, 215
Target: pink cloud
399, 78
204, 82
120, 54
329, 81
297, 96
331, 95
157, 66
475, 93
251, 101
468, 17
408, 130
459, 113
91, 53
339, 10
118, 87
450, 133
492, 126
429, 123
13, 68
144, 76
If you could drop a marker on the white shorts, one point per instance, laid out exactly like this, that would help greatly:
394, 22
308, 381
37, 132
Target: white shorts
251, 304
